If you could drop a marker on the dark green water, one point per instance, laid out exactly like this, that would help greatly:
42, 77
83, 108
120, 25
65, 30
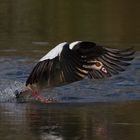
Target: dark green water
89, 110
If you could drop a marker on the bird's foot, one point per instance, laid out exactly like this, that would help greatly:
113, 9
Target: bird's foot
42, 99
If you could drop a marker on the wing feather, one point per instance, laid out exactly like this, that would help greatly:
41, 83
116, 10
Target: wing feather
114, 60
78, 61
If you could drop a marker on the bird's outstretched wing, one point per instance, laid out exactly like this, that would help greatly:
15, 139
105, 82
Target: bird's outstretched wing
68, 63
113, 62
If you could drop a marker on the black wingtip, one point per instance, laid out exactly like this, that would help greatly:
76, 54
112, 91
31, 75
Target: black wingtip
125, 53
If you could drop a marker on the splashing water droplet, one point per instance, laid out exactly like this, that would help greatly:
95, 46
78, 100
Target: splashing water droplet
9, 89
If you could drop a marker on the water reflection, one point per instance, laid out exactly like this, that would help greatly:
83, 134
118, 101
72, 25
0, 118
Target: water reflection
70, 121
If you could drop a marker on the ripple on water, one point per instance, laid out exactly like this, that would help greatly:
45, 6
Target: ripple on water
125, 86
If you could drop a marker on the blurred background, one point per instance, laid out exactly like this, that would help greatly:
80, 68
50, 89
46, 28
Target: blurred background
25, 23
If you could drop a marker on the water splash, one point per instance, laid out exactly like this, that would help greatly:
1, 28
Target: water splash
9, 89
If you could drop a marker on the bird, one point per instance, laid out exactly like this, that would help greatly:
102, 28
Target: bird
71, 62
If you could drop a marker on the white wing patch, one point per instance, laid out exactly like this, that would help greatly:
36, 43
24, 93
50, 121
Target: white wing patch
54, 52
73, 44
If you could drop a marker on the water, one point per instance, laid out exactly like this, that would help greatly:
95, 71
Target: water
123, 87
70, 121
100, 110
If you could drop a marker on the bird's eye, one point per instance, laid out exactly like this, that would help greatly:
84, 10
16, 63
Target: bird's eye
97, 64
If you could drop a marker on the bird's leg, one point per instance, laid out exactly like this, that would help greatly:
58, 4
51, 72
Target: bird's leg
40, 98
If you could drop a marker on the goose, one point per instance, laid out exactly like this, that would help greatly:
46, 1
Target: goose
70, 62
